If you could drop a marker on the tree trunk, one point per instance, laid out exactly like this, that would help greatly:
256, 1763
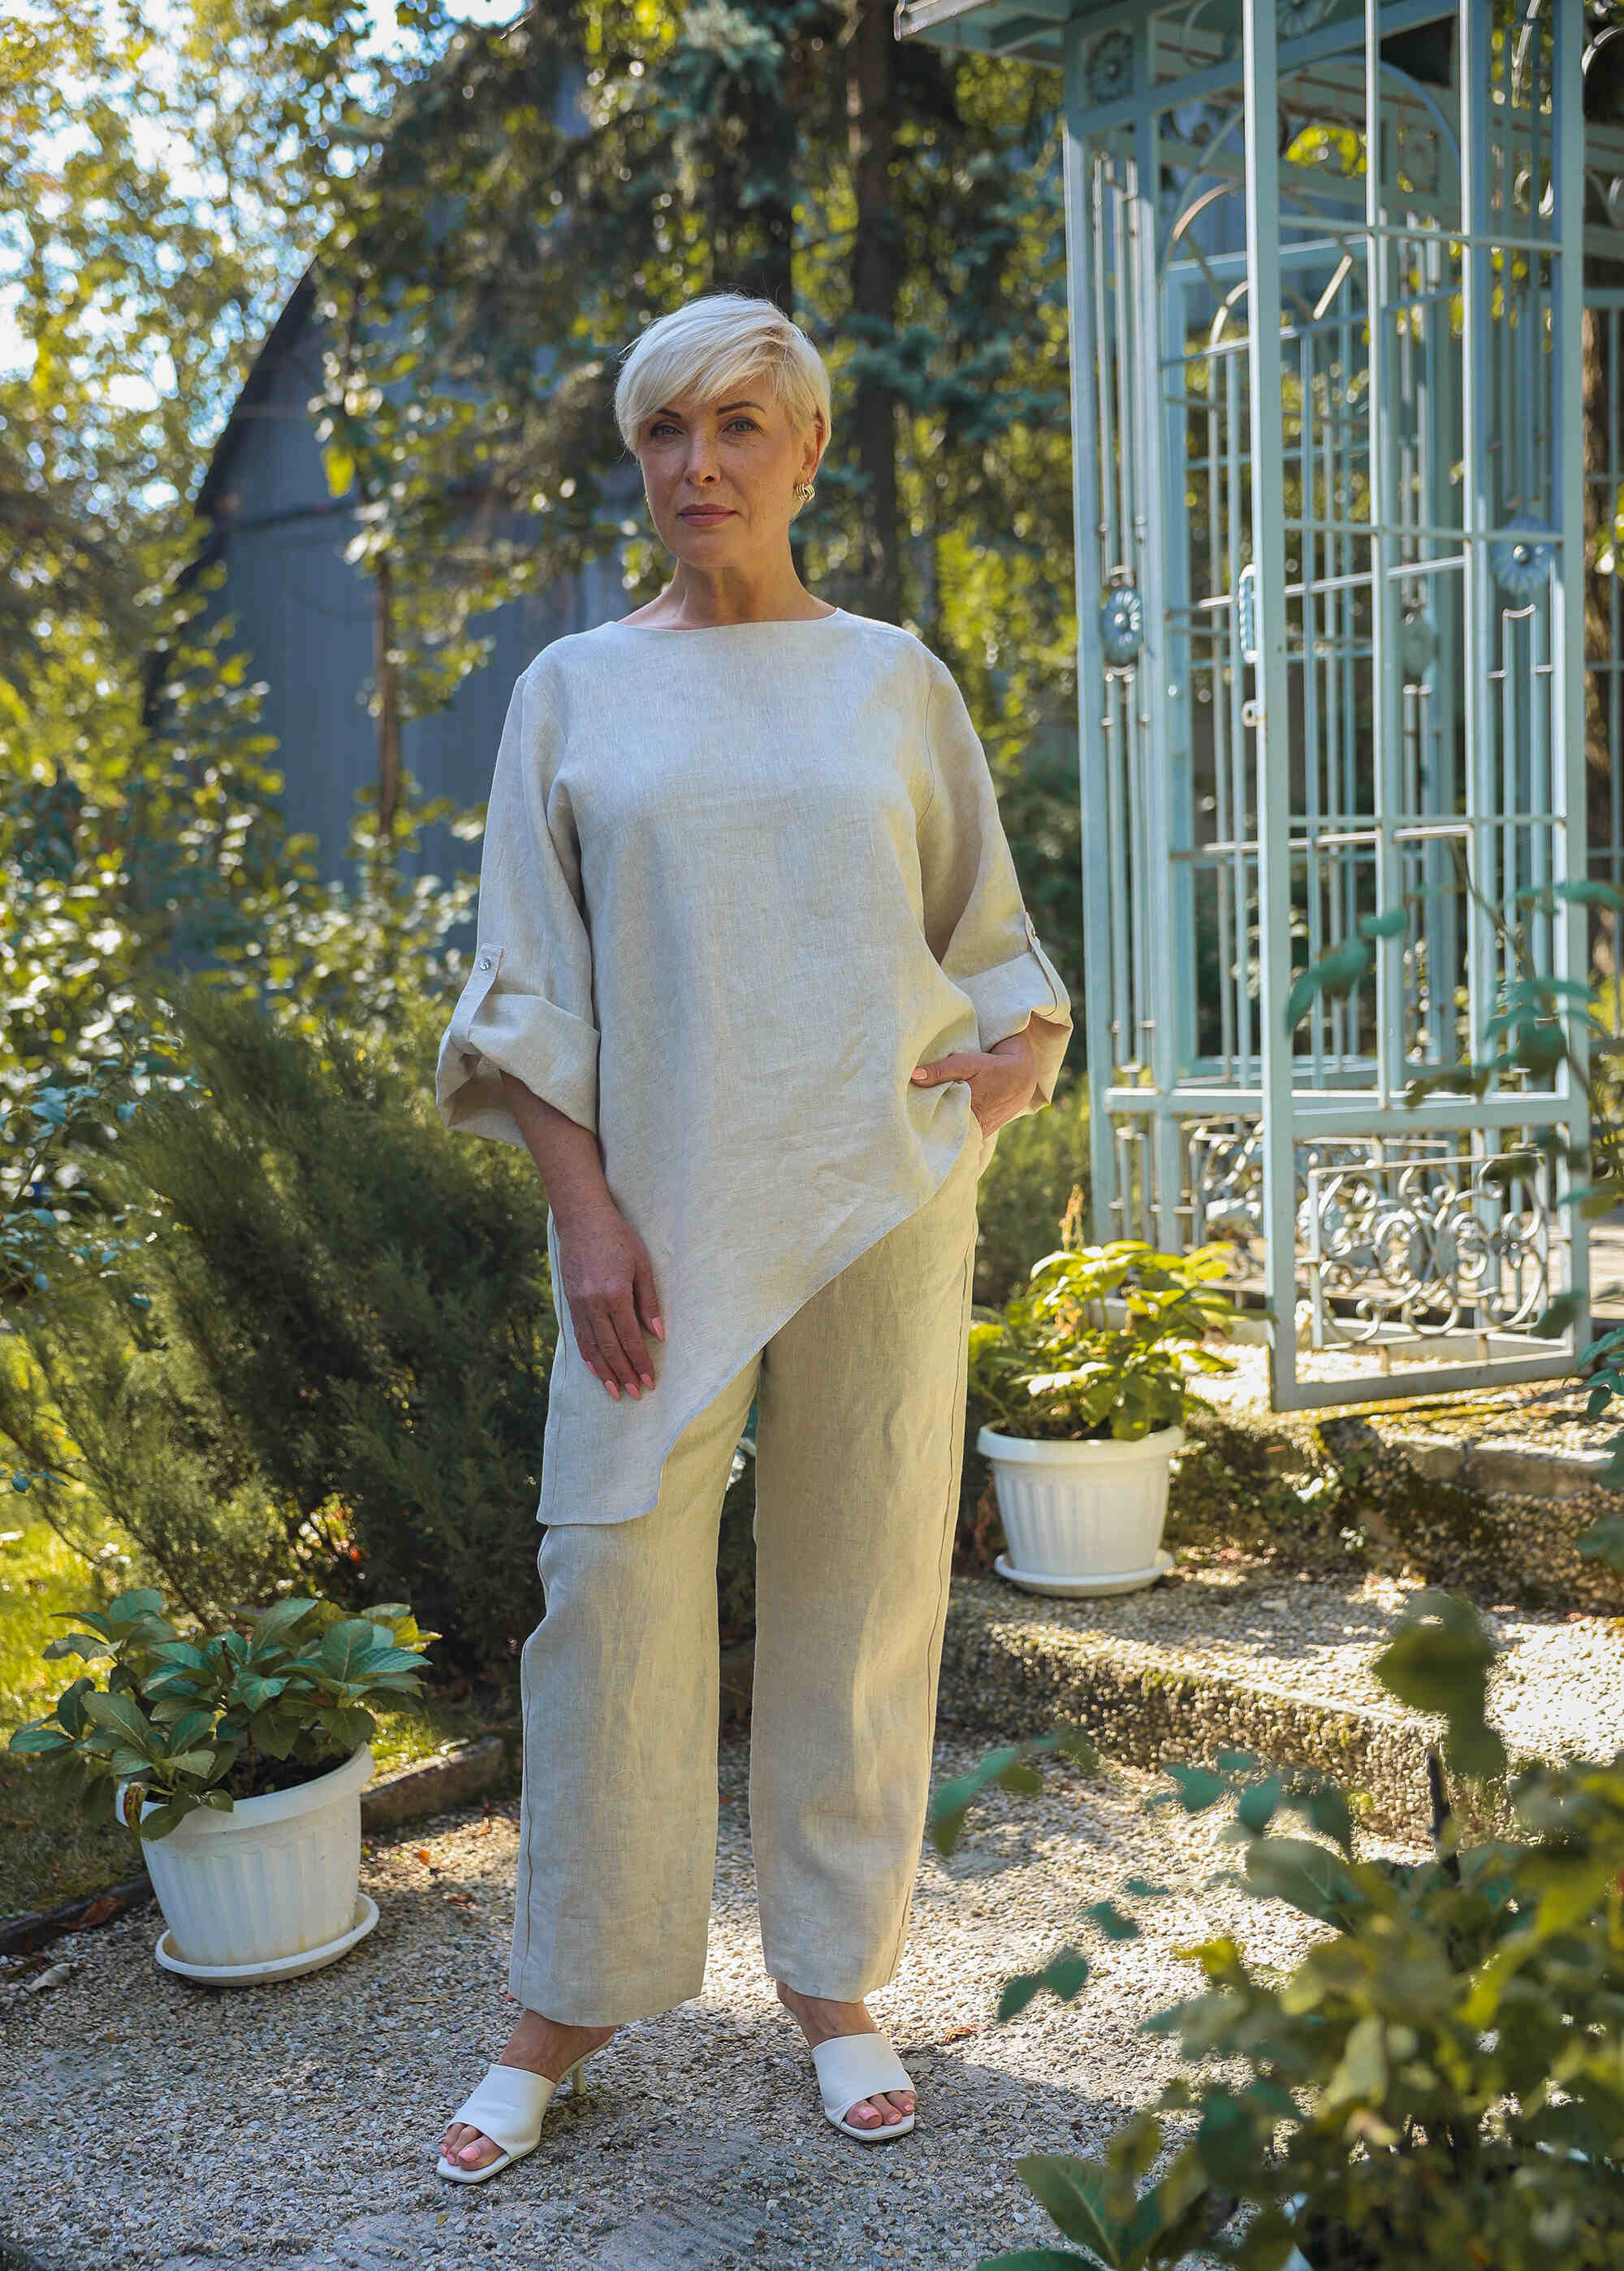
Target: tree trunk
870, 137
386, 680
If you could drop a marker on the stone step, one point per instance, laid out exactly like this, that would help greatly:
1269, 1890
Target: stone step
1208, 1661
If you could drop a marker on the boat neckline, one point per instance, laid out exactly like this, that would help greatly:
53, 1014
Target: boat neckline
755, 623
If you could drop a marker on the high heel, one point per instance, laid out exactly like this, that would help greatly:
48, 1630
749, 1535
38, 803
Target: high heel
508, 2107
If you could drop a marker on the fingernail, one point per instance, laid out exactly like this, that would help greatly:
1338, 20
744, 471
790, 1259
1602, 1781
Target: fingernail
613, 1390
647, 1379
659, 1328
916, 1074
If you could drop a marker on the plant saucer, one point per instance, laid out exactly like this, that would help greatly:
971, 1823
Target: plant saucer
280, 1966
1085, 1589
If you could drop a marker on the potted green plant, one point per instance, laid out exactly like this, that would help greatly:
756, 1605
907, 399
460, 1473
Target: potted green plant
1086, 1374
238, 1756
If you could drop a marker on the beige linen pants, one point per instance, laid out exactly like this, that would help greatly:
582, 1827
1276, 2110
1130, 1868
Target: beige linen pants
859, 1434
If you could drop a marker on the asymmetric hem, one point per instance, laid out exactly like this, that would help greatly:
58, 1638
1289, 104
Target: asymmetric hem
737, 881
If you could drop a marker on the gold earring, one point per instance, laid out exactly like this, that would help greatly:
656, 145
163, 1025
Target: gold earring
805, 491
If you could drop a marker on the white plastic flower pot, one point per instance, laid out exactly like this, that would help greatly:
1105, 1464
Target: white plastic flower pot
1082, 1519
276, 1877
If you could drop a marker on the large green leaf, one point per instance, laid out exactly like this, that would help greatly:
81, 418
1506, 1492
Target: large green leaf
70, 1704
1075, 2193
345, 1648
349, 1726
1069, 2190
40, 1738
1310, 1878
165, 1817
277, 1619
184, 1730
75, 1643
122, 1717
136, 1605
393, 1661
275, 1732
253, 1691
1257, 1807
1325, 1808
191, 1762
1552, 1322
1438, 1660
180, 1654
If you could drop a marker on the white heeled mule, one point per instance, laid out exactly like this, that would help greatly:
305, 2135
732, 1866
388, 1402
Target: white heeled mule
854, 2067
508, 2108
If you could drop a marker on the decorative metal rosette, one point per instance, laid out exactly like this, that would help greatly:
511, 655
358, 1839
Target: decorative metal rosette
1108, 71
1294, 18
1522, 559
1122, 625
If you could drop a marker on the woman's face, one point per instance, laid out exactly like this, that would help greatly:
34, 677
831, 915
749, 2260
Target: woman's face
720, 477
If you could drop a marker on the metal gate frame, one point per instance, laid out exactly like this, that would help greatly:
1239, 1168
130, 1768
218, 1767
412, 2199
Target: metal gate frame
1298, 1121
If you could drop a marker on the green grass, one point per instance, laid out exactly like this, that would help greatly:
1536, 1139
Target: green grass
51, 1849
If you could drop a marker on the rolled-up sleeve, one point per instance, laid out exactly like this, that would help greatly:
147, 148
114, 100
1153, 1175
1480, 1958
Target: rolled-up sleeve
527, 1008
976, 920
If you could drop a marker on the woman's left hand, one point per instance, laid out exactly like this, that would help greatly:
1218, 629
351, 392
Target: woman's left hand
1001, 1078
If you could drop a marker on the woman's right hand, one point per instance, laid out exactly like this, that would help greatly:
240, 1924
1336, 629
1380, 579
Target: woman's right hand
609, 1286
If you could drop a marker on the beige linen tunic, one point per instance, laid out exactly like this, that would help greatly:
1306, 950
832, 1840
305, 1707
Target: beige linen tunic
737, 881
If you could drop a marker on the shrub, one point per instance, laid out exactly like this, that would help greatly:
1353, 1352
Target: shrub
331, 1352
1441, 2079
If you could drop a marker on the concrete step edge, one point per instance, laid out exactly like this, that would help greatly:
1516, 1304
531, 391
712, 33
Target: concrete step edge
1490, 1468
1146, 1708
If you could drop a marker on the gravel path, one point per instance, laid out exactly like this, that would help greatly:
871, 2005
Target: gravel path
288, 2128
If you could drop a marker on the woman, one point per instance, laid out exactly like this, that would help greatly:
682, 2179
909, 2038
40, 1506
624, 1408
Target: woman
755, 984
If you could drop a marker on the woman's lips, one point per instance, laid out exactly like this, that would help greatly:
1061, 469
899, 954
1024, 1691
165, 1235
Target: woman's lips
706, 513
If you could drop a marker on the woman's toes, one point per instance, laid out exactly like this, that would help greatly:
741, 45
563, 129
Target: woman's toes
477, 2152
880, 2111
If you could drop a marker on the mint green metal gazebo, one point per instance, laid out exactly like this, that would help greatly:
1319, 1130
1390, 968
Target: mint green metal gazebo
1344, 306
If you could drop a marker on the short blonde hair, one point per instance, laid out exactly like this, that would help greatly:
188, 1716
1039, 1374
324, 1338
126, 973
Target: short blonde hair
714, 344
